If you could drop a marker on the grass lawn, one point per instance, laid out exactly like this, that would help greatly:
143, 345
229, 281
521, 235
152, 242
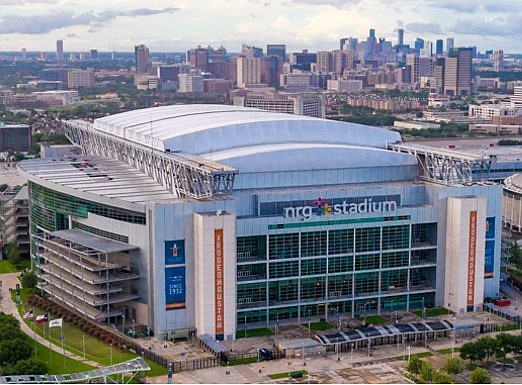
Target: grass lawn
59, 365
321, 325
95, 349
278, 376
436, 311
254, 333
7, 267
447, 351
241, 361
420, 355
374, 319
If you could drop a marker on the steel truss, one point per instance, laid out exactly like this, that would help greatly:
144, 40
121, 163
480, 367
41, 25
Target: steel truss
444, 166
184, 176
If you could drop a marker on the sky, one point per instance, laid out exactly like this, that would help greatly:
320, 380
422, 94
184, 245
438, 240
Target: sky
178, 25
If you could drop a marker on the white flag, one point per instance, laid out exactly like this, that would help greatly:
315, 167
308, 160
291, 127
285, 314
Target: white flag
56, 323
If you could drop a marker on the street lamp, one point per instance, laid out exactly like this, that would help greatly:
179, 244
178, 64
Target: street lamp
409, 353
337, 348
245, 327
83, 343
453, 339
309, 328
110, 352
351, 355
423, 309
133, 328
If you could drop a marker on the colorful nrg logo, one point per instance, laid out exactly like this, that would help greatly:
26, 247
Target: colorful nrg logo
322, 208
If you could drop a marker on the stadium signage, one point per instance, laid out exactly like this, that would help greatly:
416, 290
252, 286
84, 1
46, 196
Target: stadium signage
345, 206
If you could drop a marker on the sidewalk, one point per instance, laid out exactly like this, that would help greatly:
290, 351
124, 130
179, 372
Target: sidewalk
9, 307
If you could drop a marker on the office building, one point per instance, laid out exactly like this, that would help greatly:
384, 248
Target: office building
59, 52
142, 59
93, 54
191, 82
450, 44
439, 48
278, 50
289, 104
248, 70
400, 37
80, 78
457, 73
15, 137
498, 60
206, 219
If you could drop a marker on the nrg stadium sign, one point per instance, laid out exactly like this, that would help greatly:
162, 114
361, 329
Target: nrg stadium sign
343, 206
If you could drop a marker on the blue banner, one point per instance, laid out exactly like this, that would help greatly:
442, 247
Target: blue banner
174, 288
174, 252
490, 228
489, 260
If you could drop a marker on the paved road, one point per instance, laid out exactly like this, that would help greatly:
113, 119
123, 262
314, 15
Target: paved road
9, 307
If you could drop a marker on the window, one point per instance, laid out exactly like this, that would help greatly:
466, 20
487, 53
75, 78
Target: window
283, 246
367, 262
340, 264
313, 266
367, 239
340, 241
283, 269
395, 237
313, 243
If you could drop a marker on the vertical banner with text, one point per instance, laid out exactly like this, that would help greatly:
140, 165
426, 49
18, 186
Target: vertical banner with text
218, 279
472, 251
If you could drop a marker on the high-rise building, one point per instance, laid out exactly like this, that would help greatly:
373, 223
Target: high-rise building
93, 54
192, 82
248, 70
457, 73
400, 37
278, 50
498, 60
450, 44
24, 54
59, 52
249, 51
372, 33
324, 61
516, 99
419, 44
142, 58
439, 50
80, 78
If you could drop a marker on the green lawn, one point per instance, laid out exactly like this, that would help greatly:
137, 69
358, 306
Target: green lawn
7, 267
436, 311
420, 355
254, 333
241, 361
95, 349
278, 376
321, 325
374, 319
447, 351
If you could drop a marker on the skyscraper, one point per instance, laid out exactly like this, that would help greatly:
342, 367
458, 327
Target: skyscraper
59, 52
400, 37
498, 60
450, 44
278, 50
439, 47
457, 73
141, 55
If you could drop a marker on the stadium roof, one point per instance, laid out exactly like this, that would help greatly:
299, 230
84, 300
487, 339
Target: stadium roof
255, 140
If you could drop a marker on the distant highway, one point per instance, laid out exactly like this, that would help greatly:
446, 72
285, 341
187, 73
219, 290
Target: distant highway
463, 142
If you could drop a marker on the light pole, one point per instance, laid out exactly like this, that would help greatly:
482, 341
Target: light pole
110, 353
245, 327
337, 348
133, 328
423, 309
309, 327
351, 355
123, 321
453, 339
83, 343
409, 353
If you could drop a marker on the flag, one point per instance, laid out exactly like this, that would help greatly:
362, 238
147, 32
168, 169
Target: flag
41, 318
29, 314
56, 323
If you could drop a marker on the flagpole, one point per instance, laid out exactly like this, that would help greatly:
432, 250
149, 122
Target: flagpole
63, 348
50, 349
34, 337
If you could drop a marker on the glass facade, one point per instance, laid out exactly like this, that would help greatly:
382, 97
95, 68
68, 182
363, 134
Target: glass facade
351, 271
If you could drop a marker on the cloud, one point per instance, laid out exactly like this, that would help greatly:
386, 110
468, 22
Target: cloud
474, 6
37, 24
24, 2
333, 3
499, 26
433, 28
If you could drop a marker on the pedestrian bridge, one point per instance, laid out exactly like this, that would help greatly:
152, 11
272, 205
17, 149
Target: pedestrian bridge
120, 373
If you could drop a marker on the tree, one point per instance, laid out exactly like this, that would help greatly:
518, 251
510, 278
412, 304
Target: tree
29, 280
441, 378
505, 345
454, 365
426, 373
14, 350
515, 255
414, 365
480, 376
487, 345
29, 366
468, 351
13, 254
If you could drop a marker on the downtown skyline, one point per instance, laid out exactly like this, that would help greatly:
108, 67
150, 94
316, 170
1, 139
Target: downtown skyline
167, 26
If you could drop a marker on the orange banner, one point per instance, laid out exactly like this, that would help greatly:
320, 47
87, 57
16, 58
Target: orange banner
472, 253
218, 279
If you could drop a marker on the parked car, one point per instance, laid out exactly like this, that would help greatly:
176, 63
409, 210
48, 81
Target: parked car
266, 354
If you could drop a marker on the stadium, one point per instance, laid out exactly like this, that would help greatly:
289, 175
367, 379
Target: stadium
208, 219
